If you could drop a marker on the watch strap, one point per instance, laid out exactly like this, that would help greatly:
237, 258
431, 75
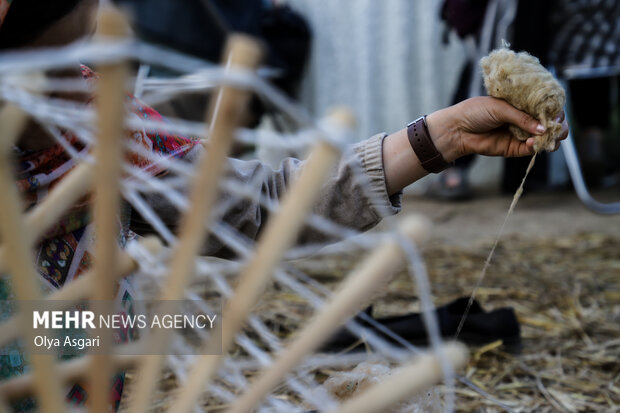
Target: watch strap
424, 148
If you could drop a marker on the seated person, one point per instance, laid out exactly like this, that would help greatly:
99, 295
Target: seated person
476, 125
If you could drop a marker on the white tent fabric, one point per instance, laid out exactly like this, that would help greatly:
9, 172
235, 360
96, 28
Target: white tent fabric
383, 59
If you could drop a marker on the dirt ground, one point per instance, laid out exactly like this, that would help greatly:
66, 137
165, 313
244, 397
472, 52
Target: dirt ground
557, 266
537, 216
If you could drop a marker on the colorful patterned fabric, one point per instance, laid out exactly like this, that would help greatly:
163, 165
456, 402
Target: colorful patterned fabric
65, 252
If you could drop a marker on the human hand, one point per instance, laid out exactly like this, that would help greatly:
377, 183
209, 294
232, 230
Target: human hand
480, 125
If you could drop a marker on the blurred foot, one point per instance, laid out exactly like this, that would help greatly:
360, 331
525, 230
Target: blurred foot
452, 185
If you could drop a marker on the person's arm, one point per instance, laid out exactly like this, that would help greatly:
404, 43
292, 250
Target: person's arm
345, 199
477, 125
366, 185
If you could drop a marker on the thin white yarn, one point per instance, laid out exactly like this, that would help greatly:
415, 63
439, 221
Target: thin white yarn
57, 114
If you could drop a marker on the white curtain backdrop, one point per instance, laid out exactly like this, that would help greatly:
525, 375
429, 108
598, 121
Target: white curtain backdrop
383, 59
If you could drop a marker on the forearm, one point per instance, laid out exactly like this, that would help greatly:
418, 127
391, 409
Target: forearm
477, 125
354, 196
401, 164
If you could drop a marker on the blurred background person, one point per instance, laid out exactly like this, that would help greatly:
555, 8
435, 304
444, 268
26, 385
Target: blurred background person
586, 36
530, 31
200, 27
324, 57
561, 34
465, 18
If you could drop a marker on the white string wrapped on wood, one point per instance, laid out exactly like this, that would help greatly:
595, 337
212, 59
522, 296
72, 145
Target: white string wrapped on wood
225, 378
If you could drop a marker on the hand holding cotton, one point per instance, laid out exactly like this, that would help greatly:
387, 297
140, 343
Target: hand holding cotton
522, 81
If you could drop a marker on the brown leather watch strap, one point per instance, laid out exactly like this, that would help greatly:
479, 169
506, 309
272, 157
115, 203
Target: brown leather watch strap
424, 148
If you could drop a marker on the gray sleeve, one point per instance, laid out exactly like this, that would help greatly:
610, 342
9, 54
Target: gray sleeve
354, 196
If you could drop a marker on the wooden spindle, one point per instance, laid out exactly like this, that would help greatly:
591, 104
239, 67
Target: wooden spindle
18, 243
369, 277
226, 108
279, 235
423, 372
109, 155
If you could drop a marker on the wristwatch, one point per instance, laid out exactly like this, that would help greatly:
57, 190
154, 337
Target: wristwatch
424, 148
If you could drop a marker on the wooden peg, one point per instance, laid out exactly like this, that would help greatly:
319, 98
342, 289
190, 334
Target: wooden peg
112, 23
226, 108
279, 235
13, 121
109, 155
19, 262
423, 372
370, 276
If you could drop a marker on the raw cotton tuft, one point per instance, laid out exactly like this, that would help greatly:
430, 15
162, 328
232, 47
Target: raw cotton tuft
522, 81
345, 385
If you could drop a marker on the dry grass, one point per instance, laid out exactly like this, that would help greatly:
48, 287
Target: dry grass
566, 292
